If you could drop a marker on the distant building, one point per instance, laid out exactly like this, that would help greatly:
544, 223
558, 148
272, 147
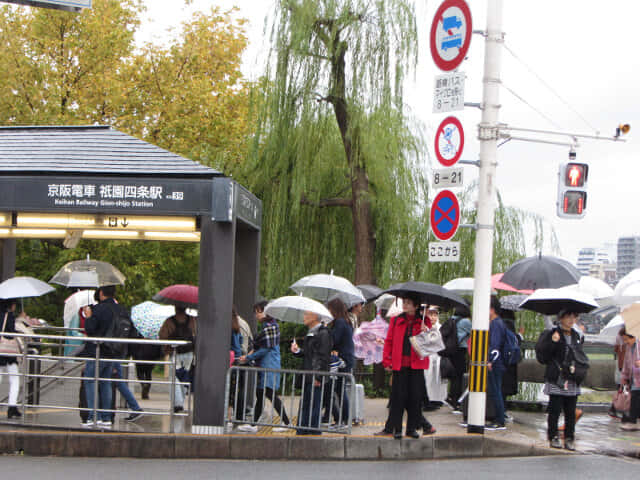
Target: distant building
591, 256
628, 255
607, 272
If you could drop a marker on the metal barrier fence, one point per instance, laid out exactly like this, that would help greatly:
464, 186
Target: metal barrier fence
31, 374
315, 397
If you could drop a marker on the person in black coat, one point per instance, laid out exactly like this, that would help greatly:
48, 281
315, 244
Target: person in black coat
560, 349
342, 336
510, 377
316, 353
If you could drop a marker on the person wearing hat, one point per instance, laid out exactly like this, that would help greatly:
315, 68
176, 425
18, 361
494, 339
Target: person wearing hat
399, 357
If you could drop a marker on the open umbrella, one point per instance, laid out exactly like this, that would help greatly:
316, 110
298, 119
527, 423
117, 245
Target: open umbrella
462, 286
20, 287
75, 302
292, 308
541, 272
323, 287
612, 328
593, 286
179, 295
88, 274
429, 293
384, 301
631, 317
368, 340
632, 277
512, 302
623, 295
498, 284
148, 317
370, 292
550, 301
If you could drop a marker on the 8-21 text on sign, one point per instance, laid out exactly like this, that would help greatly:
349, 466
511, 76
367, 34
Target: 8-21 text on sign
448, 177
444, 251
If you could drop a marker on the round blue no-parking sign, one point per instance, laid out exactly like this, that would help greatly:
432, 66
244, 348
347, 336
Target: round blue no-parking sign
445, 215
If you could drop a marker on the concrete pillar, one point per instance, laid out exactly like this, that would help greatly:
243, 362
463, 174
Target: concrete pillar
8, 258
247, 272
213, 340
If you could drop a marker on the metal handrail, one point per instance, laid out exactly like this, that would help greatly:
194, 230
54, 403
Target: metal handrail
326, 379
27, 357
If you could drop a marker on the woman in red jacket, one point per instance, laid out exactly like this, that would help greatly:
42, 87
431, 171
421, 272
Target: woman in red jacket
407, 388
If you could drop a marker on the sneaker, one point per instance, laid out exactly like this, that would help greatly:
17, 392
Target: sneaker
248, 428
383, 433
495, 426
88, 423
457, 411
555, 443
631, 427
104, 423
570, 444
177, 409
280, 429
134, 416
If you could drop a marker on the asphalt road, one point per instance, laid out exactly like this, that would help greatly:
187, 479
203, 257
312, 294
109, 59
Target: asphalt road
583, 467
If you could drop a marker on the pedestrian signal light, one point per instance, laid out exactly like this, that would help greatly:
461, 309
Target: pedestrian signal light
572, 188
576, 174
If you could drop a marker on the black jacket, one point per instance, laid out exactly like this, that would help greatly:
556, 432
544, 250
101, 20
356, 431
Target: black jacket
316, 350
98, 324
557, 355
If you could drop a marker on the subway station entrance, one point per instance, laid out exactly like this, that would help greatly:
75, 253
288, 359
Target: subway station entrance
94, 182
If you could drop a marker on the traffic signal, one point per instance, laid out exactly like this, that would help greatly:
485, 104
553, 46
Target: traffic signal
572, 188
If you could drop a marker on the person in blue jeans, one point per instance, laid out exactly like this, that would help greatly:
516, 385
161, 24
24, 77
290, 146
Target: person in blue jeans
497, 333
122, 387
97, 323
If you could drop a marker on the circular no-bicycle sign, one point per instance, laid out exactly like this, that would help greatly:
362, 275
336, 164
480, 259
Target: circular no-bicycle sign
450, 34
449, 141
445, 215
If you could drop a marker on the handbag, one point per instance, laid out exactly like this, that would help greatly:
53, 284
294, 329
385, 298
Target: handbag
428, 342
622, 399
9, 345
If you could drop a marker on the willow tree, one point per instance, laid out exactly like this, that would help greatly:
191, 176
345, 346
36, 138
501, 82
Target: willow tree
333, 152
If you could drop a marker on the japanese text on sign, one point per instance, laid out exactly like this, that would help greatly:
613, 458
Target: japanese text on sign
448, 92
109, 195
444, 251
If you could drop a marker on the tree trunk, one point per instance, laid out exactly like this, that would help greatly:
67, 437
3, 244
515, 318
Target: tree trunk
362, 227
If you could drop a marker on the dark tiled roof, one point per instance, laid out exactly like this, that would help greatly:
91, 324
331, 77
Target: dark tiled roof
88, 150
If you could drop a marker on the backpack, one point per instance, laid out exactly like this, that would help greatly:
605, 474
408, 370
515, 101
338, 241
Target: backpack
121, 326
449, 333
510, 348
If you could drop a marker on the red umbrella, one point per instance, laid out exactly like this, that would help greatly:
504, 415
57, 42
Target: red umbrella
497, 284
179, 295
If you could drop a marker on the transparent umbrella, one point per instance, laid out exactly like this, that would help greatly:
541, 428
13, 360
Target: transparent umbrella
292, 308
88, 274
323, 287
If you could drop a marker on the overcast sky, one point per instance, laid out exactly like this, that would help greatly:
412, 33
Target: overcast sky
566, 44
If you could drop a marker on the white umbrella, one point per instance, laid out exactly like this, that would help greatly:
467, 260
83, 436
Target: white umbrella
384, 301
632, 277
323, 287
292, 308
550, 301
612, 328
395, 309
20, 287
628, 294
463, 286
593, 286
75, 302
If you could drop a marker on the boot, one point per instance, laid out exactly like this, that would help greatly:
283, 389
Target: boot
13, 412
145, 391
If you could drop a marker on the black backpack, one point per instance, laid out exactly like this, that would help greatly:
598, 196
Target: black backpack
121, 327
449, 332
511, 348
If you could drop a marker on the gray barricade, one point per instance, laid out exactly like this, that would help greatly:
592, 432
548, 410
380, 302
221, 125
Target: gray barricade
312, 401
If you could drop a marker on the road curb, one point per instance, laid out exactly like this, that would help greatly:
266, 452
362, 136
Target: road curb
140, 445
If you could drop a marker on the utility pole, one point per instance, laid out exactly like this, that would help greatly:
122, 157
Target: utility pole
488, 134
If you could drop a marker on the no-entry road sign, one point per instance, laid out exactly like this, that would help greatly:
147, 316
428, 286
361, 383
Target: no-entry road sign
449, 141
450, 34
445, 215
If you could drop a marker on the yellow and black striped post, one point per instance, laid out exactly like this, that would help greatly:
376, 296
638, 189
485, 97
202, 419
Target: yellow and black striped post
478, 374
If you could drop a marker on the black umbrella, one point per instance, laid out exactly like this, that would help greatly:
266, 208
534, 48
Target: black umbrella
551, 301
370, 292
429, 293
541, 272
